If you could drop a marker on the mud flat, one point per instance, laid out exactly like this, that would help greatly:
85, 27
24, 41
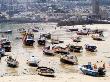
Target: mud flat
63, 72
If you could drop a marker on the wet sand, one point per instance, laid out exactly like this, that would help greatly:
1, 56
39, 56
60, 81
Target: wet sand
63, 72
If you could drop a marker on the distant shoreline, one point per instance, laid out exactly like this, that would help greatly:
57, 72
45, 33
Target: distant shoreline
71, 23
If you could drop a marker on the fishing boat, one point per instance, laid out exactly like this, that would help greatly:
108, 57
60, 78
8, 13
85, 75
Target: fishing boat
82, 32
48, 51
35, 30
72, 29
6, 44
91, 48
2, 52
47, 35
22, 31
6, 31
56, 41
97, 37
73, 48
41, 40
45, 71
89, 70
60, 50
33, 61
28, 39
77, 39
69, 59
11, 62
77, 48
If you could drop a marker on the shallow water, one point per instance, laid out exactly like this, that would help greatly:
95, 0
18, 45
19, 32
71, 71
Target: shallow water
22, 53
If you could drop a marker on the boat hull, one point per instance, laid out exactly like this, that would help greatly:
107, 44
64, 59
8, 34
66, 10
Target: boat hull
68, 62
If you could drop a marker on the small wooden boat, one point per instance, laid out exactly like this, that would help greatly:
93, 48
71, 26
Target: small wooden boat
98, 38
88, 70
28, 39
48, 51
72, 29
47, 35
35, 30
83, 31
73, 48
77, 39
6, 31
33, 61
22, 31
11, 62
2, 52
6, 44
91, 48
56, 41
60, 50
45, 71
69, 59
41, 41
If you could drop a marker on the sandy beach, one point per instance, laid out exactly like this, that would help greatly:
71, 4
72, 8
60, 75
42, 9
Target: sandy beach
63, 72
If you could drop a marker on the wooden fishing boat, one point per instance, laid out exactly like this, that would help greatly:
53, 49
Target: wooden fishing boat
28, 39
60, 50
91, 48
45, 71
77, 48
33, 61
35, 30
72, 29
69, 59
6, 44
73, 48
82, 33
47, 35
11, 62
98, 38
48, 51
22, 31
41, 41
88, 70
77, 39
6, 31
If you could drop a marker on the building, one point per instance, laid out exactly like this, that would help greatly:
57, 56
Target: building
95, 7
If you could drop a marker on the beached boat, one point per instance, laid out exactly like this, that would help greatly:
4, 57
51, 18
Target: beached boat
47, 35
48, 51
91, 48
22, 31
73, 48
6, 31
41, 40
82, 33
56, 41
88, 70
11, 62
6, 44
33, 61
69, 59
72, 29
28, 39
45, 71
97, 37
77, 48
77, 39
35, 30
2, 52
60, 50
